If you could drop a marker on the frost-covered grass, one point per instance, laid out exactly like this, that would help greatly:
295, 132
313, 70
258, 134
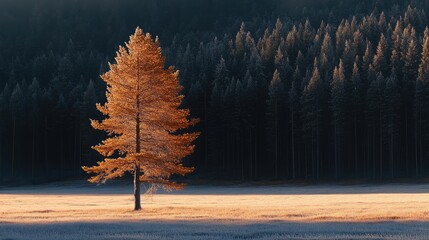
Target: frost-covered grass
76, 210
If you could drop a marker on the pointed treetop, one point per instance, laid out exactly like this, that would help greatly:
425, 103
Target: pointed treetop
314, 80
355, 74
423, 74
341, 70
276, 77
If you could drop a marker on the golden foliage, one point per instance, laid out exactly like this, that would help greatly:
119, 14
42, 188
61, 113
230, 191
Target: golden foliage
143, 116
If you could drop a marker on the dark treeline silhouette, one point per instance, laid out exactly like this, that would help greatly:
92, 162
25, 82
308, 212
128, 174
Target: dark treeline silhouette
315, 90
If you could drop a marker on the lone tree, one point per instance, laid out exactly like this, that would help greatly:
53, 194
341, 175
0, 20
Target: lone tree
144, 120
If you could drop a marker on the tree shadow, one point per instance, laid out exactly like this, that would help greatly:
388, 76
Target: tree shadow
215, 230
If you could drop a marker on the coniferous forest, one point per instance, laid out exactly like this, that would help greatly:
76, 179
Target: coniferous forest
316, 90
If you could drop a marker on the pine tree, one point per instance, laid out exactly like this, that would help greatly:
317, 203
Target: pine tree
395, 57
292, 42
339, 97
410, 59
240, 40
222, 74
340, 37
293, 109
375, 98
367, 60
240, 122
276, 35
411, 62
391, 110
326, 53
282, 64
275, 112
348, 58
380, 62
216, 135
395, 61
421, 108
88, 110
300, 61
382, 23
35, 93
60, 114
143, 118
308, 34
65, 73
17, 102
251, 98
357, 106
358, 43
4, 117
311, 113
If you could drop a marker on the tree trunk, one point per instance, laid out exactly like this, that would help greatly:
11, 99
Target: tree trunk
75, 167
368, 137
250, 155
293, 147
415, 148
406, 137
381, 146
256, 153
206, 157
318, 150
33, 149
80, 147
306, 148
335, 151
13, 146
356, 146
61, 153
1, 159
420, 165
276, 163
374, 156
391, 156
137, 204
313, 160
240, 159
46, 147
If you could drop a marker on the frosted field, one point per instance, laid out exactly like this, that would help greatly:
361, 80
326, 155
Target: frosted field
77, 210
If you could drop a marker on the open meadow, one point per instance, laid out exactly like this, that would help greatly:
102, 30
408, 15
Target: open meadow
77, 210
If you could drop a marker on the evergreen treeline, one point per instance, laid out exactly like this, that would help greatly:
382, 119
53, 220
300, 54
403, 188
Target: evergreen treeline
298, 92
296, 101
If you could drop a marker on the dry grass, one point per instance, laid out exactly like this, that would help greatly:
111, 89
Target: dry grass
78, 211
250, 204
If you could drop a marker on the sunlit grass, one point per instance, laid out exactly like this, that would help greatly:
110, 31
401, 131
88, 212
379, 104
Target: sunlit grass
240, 204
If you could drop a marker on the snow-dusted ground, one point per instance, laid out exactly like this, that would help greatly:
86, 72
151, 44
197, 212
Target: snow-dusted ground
77, 210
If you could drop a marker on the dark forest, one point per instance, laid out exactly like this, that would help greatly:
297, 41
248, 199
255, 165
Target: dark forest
320, 90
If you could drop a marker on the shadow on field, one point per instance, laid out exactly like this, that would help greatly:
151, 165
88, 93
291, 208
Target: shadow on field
215, 230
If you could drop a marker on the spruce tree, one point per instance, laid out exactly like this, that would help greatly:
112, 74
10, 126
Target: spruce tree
357, 106
222, 74
240, 38
338, 98
17, 102
380, 62
391, 112
34, 92
375, 111
311, 114
421, 108
275, 118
